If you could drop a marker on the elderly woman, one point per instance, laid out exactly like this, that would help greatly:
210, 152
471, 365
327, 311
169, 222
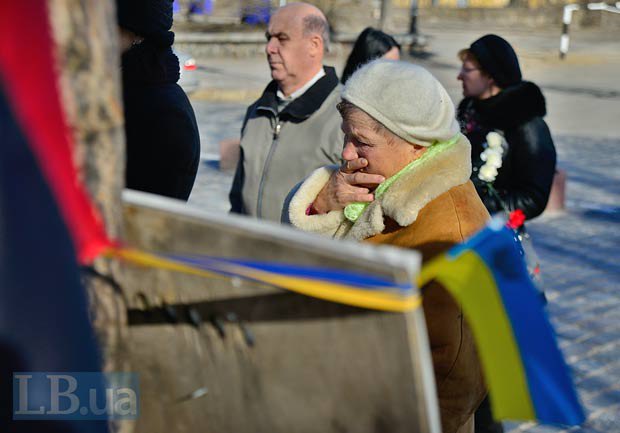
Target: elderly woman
405, 182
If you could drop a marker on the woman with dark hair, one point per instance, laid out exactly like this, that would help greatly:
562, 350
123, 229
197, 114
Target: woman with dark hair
371, 44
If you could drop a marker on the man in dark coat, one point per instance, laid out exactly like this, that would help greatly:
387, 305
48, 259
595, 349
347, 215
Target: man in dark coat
294, 127
163, 144
497, 99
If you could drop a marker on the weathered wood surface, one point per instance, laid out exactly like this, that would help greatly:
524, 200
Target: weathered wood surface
87, 54
269, 360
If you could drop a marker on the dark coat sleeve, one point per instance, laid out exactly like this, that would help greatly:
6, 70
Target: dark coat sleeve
235, 196
533, 161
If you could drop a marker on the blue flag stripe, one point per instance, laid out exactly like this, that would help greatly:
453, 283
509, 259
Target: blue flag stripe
551, 389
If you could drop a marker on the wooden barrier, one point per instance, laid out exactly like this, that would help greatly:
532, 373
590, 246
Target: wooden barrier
227, 355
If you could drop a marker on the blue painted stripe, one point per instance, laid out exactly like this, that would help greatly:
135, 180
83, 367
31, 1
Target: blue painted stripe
551, 388
357, 280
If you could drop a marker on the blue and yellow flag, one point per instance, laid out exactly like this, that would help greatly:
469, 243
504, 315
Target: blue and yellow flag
525, 371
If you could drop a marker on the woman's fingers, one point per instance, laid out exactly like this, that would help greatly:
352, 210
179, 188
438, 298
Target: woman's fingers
353, 165
360, 197
345, 188
359, 178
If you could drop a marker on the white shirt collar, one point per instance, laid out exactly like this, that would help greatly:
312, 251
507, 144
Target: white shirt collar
297, 93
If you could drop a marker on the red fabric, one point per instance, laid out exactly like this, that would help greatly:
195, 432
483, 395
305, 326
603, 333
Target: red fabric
310, 210
29, 75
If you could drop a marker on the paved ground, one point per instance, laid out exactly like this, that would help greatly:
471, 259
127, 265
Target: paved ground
578, 248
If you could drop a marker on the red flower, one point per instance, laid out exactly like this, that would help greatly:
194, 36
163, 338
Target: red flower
516, 219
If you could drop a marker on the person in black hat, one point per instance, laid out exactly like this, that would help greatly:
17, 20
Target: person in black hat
163, 144
498, 99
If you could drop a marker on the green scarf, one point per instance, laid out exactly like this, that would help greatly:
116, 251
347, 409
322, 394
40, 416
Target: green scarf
354, 210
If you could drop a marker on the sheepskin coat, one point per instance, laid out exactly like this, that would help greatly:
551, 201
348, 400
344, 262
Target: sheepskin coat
428, 209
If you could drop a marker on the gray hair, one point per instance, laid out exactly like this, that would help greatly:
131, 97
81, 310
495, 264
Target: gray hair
346, 108
316, 24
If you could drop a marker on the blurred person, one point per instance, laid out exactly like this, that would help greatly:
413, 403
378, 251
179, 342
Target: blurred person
405, 182
371, 44
163, 144
496, 98
187, 8
294, 127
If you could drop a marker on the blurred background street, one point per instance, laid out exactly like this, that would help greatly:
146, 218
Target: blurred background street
578, 246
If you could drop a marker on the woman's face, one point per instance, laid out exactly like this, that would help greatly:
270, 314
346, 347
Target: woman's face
392, 54
385, 152
476, 83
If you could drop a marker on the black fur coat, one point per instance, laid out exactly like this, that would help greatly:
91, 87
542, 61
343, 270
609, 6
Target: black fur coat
528, 163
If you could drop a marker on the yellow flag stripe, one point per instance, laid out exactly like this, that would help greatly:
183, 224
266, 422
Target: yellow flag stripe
471, 283
334, 292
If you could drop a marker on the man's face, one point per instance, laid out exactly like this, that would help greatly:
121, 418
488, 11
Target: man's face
386, 153
476, 83
289, 52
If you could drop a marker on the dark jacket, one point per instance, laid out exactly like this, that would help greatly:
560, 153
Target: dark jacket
163, 145
525, 178
279, 149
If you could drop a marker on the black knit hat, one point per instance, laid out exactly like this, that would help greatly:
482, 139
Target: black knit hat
151, 19
498, 59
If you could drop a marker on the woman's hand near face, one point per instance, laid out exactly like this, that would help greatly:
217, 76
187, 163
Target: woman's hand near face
347, 185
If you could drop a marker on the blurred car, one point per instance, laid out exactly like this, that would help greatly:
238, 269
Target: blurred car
189, 80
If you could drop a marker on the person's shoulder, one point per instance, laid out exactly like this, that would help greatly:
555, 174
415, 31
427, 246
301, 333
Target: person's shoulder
332, 99
521, 104
336, 91
464, 104
471, 212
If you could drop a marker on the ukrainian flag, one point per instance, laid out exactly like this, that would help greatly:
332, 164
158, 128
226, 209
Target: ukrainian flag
524, 369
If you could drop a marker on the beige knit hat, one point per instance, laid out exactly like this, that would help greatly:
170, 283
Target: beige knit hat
405, 98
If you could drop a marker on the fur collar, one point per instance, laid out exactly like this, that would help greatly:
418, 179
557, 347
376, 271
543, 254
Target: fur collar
414, 190
401, 202
513, 106
304, 106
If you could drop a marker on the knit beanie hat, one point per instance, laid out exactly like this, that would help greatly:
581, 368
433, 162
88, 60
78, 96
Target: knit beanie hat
405, 98
151, 19
498, 59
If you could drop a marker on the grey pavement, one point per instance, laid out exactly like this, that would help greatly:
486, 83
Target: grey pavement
578, 247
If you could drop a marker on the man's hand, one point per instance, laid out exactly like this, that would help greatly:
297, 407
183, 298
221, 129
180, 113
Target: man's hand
347, 185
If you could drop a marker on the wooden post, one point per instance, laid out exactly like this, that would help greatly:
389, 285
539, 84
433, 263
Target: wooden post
86, 37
